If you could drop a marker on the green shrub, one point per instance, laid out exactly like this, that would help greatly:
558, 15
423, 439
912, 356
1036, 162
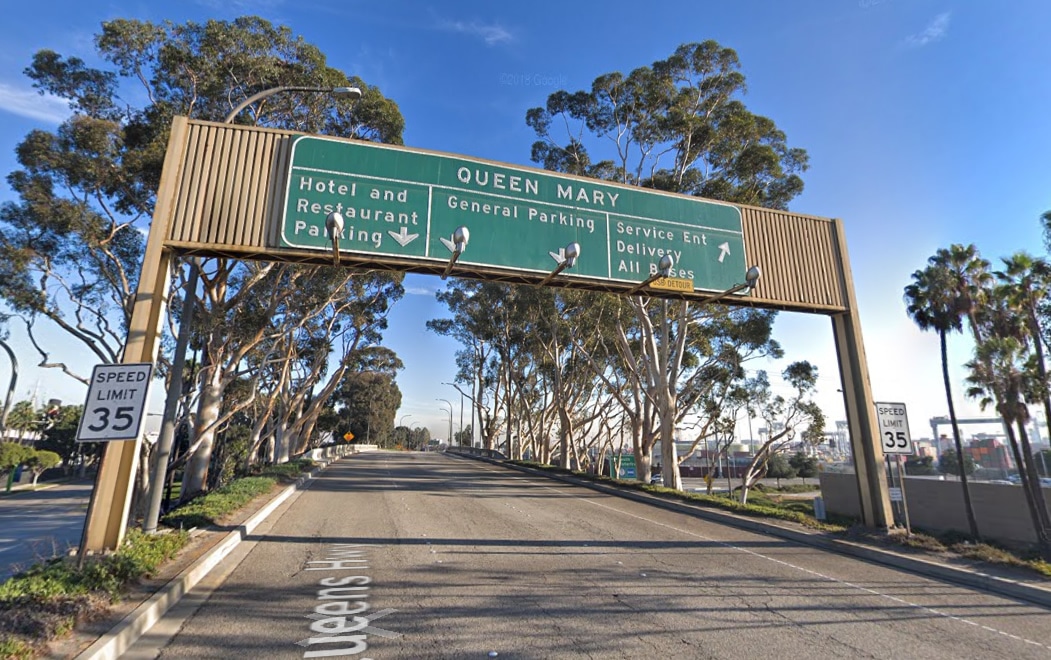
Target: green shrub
290, 470
208, 509
46, 601
139, 557
12, 648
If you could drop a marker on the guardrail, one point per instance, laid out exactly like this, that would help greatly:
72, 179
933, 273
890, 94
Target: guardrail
476, 451
334, 451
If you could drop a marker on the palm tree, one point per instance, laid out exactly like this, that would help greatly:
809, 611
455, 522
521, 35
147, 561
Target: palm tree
1027, 281
1000, 373
969, 279
1003, 320
932, 303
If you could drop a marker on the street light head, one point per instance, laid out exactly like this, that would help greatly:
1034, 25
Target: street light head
665, 265
334, 227
348, 93
334, 224
572, 252
460, 238
752, 276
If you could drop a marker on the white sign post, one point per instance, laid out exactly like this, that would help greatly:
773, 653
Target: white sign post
896, 441
894, 428
116, 403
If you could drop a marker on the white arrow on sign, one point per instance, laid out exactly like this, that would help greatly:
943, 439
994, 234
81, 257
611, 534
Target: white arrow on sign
404, 238
559, 256
449, 243
724, 250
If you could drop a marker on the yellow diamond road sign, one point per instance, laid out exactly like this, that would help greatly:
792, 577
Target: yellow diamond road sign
672, 284
348, 436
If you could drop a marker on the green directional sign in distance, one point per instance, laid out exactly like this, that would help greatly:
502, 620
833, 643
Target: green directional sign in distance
404, 203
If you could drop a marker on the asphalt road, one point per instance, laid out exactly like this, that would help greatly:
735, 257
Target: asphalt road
451, 558
40, 524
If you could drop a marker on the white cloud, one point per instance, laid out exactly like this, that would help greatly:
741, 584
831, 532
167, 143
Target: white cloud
492, 34
419, 291
936, 31
242, 7
28, 103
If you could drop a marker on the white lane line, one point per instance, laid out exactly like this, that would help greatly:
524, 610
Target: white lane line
896, 599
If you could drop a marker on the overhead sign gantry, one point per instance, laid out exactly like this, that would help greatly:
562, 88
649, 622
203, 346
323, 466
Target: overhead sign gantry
254, 193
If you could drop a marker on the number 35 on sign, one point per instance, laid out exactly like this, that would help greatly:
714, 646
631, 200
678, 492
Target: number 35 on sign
116, 402
894, 428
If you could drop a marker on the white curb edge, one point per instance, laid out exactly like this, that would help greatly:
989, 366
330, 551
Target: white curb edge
122, 636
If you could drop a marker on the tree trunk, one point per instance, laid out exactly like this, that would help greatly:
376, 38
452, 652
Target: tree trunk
195, 476
972, 521
1034, 478
281, 442
669, 460
1042, 539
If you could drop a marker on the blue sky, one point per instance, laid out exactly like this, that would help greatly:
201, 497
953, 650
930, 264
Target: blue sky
926, 122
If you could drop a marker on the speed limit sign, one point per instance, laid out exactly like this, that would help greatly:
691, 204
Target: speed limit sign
116, 403
894, 428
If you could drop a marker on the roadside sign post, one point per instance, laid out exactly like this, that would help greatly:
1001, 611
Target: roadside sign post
115, 406
896, 441
114, 410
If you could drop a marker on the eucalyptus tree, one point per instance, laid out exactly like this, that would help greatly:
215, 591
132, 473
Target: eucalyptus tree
570, 330
788, 418
367, 398
933, 302
89, 188
314, 338
287, 338
71, 246
475, 308
680, 126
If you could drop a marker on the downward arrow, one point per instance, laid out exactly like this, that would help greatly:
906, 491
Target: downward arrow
559, 256
724, 250
404, 238
447, 242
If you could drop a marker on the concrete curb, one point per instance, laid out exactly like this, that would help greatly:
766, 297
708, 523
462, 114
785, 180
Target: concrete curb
1030, 593
121, 637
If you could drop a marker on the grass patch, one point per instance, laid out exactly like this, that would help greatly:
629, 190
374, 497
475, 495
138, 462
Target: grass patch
798, 488
48, 600
288, 471
15, 649
209, 508
759, 505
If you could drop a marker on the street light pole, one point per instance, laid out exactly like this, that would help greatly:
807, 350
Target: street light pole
450, 411
10, 389
171, 402
461, 406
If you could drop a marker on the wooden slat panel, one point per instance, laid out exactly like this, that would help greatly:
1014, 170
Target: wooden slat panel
796, 254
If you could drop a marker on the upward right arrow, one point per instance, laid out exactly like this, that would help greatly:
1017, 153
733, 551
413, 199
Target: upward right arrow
724, 250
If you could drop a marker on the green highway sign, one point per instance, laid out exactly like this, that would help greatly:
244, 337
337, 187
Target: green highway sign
406, 204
